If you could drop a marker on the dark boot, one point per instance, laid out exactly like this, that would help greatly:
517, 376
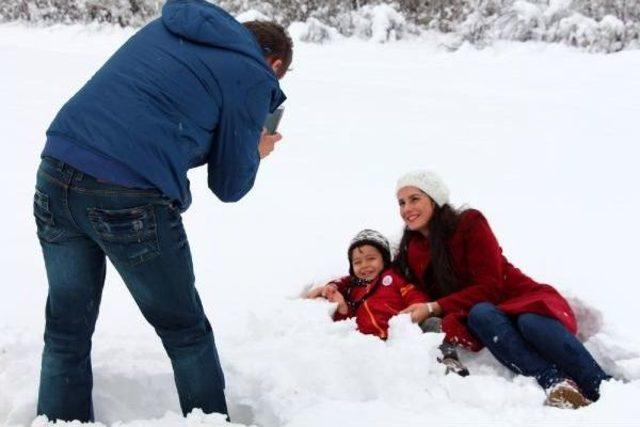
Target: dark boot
451, 360
449, 353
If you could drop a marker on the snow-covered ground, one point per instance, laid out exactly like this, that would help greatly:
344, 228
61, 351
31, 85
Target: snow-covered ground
541, 138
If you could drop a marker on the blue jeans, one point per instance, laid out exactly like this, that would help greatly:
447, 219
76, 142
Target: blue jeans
81, 221
536, 346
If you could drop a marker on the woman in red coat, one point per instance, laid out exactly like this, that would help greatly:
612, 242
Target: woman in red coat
483, 300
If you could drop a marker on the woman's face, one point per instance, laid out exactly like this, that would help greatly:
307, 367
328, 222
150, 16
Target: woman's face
367, 262
416, 208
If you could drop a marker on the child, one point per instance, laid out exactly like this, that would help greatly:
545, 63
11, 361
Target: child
372, 293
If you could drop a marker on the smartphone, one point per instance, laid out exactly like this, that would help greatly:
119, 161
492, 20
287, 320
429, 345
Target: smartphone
273, 120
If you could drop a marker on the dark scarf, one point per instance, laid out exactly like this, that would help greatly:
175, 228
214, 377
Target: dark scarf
358, 283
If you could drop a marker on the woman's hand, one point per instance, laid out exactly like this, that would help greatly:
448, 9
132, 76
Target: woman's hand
422, 311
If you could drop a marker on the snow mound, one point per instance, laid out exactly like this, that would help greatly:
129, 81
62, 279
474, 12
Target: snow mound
289, 364
505, 124
195, 419
295, 363
621, 361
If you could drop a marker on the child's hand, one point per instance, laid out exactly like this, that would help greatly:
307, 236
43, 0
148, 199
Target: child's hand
328, 290
320, 291
332, 294
315, 292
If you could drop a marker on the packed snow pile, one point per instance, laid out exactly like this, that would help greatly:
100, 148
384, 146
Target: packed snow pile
170, 419
288, 364
541, 138
594, 25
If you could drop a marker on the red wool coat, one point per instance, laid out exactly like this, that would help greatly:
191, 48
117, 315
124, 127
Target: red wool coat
486, 276
391, 295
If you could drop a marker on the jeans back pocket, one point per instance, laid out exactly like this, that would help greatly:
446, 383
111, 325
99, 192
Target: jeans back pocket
129, 236
47, 229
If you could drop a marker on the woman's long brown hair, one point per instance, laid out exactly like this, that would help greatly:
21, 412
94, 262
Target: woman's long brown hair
440, 277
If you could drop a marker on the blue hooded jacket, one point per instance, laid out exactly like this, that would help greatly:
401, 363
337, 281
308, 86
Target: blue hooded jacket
190, 88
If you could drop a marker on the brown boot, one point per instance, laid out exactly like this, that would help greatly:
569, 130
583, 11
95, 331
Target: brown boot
567, 395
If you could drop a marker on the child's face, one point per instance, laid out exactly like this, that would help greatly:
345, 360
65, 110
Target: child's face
367, 262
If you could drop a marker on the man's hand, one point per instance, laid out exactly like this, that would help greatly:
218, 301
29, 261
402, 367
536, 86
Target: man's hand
267, 143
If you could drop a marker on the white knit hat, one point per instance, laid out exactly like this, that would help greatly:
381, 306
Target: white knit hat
428, 182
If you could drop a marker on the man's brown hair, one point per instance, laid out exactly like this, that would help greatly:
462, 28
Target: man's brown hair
274, 41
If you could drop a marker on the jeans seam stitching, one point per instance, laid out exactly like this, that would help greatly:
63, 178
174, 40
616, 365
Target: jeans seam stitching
123, 193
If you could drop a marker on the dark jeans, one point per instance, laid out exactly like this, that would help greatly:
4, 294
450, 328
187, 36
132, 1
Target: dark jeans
536, 346
80, 222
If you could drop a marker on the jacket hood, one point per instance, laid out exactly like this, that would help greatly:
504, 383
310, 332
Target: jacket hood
203, 22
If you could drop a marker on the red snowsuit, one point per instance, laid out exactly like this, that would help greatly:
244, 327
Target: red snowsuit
485, 276
391, 294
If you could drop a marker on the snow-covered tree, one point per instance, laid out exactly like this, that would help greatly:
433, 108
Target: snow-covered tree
595, 25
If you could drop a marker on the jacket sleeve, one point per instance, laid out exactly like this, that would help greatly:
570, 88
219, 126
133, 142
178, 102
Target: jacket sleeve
234, 158
485, 264
410, 294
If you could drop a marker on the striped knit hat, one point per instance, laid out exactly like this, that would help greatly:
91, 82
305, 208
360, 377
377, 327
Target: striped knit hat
373, 238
